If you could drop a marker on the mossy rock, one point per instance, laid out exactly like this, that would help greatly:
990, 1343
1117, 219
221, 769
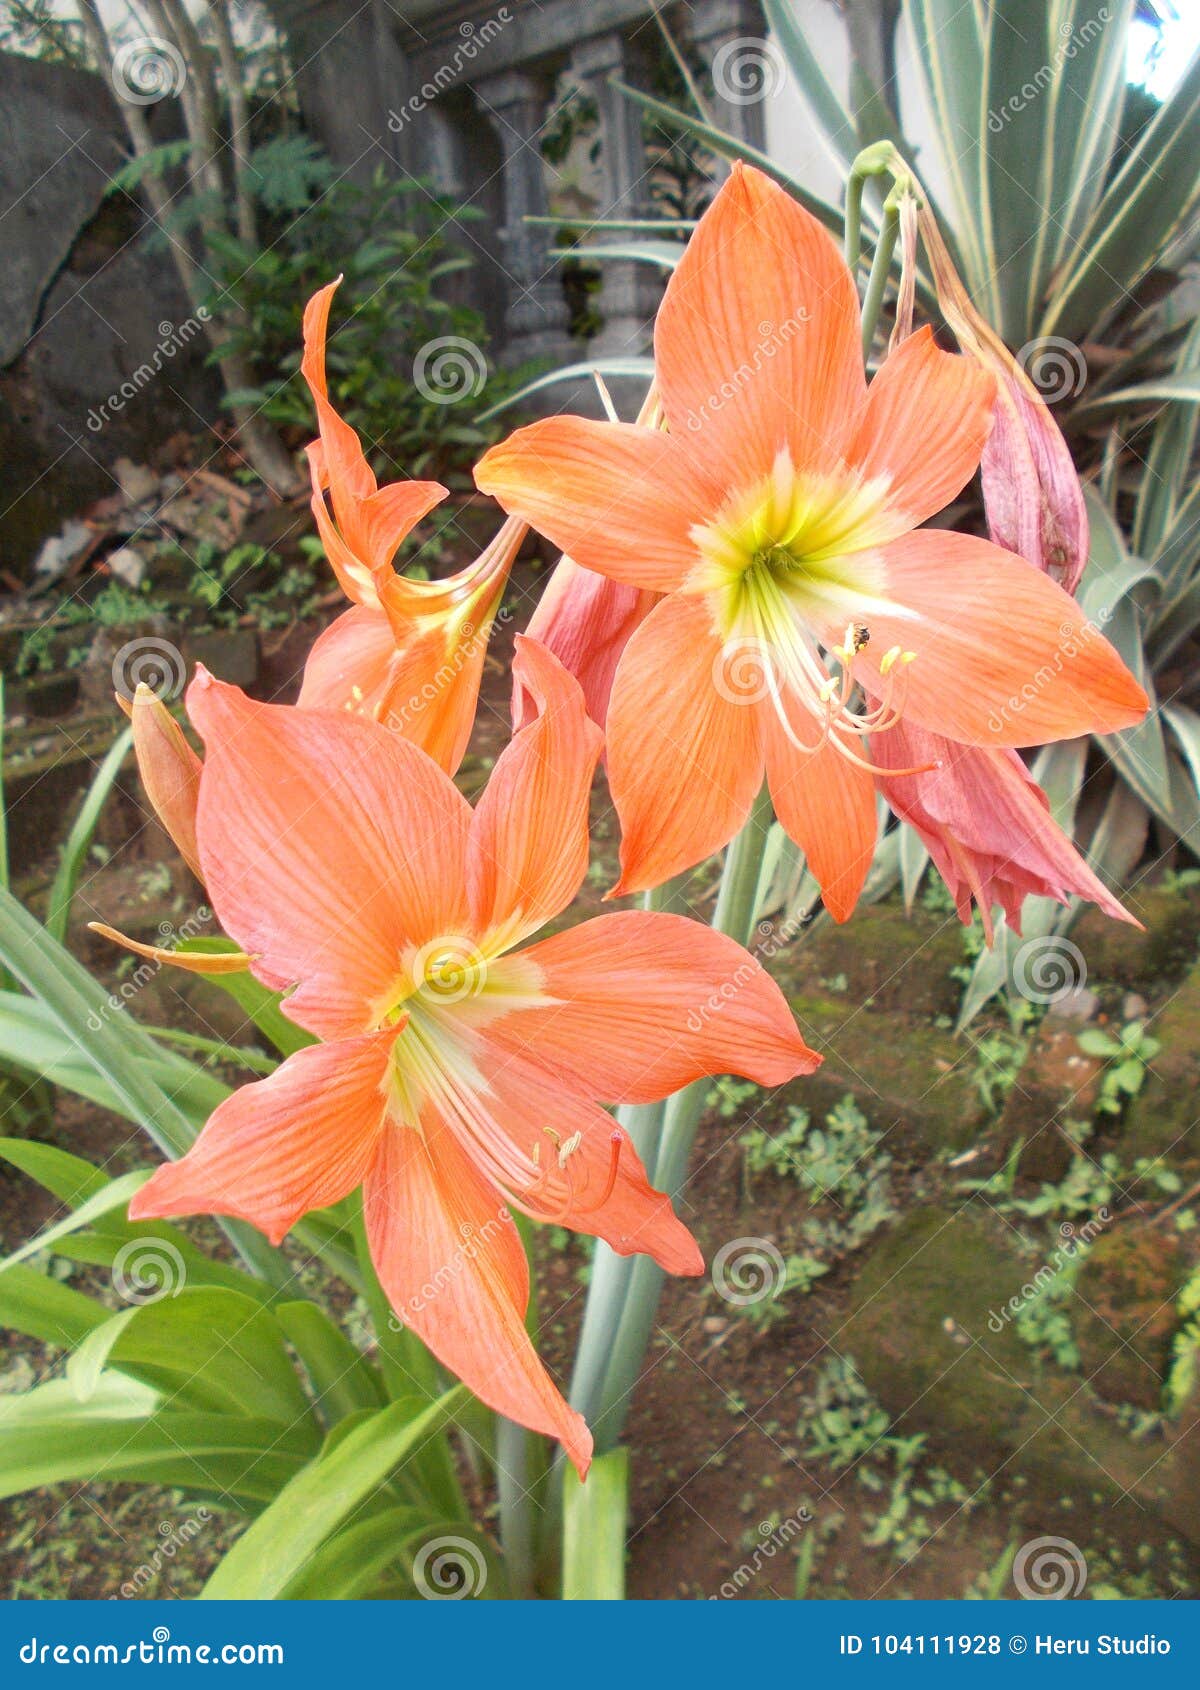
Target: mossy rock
1117, 952
1161, 1121
913, 1082
887, 957
1058, 1082
1124, 1314
932, 1337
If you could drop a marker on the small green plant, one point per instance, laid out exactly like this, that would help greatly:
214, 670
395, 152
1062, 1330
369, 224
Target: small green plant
800, 1275
1127, 1056
839, 1164
1185, 1348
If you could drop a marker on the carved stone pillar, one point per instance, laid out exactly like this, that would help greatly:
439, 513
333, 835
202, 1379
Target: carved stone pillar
631, 291
746, 68
536, 315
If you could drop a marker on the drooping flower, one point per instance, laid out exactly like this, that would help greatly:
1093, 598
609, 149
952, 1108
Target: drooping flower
409, 653
779, 516
169, 768
458, 1077
1031, 492
586, 620
987, 825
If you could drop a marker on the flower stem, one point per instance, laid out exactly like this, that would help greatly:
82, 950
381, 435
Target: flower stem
880, 266
737, 905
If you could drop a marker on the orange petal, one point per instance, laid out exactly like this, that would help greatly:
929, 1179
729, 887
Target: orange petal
1004, 656
644, 1003
351, 478
170, 771
927, 417
452, 1266
685, 761
619, 498
580, 1168
298, 1140
586, 621
330, 846
193, 962
757, 343
827, 806
529, 837
351, 665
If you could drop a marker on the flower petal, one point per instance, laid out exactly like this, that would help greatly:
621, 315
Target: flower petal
619, 498
329, 846
643, 1003
1004, 656
757, 343
452, 1266
351, 664
170, 771
927, 416
298, 1140
987, 825
827, 806
561, 1156
529, 837
685, 760
192, 962
586, 621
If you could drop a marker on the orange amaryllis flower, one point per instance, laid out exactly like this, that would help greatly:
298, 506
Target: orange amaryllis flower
586, 621
409, 653
987, 825
779, 515
458, 1077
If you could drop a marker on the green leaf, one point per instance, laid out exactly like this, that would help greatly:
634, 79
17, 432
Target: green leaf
47, 1309
594, 1518
1183, 385
836, 122
948, 38
641, 369
68, 1177
343, 1381
203, 1347
49, 1443
79, 840
312, 1507
350, 1563
260, 1003
115, 1194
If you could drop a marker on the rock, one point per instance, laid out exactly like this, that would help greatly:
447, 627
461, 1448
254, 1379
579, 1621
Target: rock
61, 549
1057, 1083
1120, 954
231, 654
1161, 1121
138, 483
1134, 1007
894, 959
941, 1276
1124, 1313
913, 1082
1076, 1005
127, 565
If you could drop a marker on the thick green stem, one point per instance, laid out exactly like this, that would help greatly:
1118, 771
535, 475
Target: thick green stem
881, 264
737, 905
517, 1480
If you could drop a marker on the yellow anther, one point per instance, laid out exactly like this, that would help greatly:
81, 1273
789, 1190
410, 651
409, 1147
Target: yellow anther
888, 660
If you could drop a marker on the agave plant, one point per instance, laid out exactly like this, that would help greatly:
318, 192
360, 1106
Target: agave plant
1068, 207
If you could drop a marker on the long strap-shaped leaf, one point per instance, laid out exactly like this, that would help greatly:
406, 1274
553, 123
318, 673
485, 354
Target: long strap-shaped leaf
79, 839
594, 1530
316, 1503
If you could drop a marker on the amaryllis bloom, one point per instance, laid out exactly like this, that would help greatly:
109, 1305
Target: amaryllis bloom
1031, 492
778, 516
458, 1077
586, 620
986, 823
409, 653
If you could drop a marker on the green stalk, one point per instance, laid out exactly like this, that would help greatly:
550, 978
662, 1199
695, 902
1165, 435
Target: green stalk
881, 264
737, 905
520, 1468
